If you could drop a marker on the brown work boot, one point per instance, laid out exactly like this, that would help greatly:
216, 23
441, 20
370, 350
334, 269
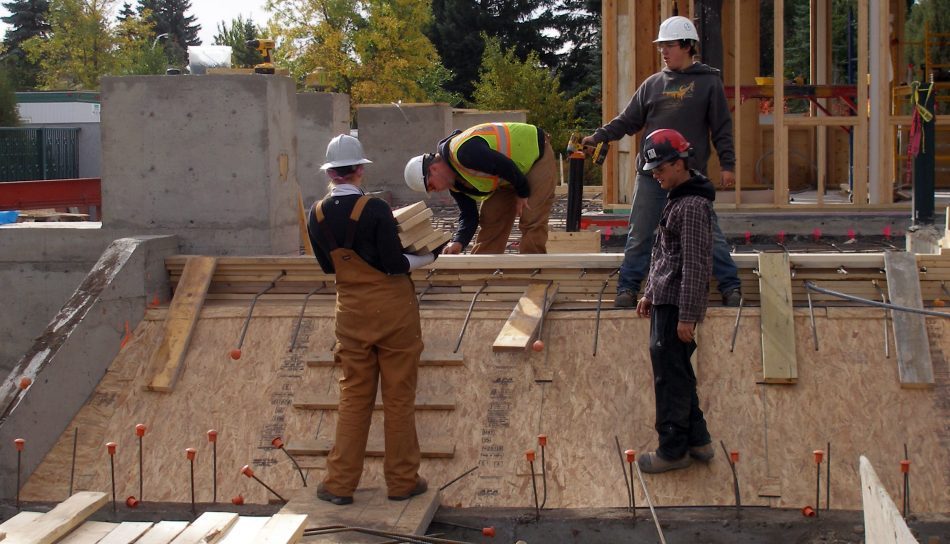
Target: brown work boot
625, 299
732, 297
325, 495
651, 463
702, 453
421, 487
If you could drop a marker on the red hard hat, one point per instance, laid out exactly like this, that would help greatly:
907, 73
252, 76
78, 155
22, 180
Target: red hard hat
664, 145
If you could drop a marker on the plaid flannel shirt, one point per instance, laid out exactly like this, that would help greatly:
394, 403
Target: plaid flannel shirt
681, 262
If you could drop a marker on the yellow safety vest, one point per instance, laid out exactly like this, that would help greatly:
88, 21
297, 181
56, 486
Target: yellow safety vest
517, 141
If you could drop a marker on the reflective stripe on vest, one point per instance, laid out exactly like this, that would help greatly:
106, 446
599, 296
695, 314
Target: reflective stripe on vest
517, 141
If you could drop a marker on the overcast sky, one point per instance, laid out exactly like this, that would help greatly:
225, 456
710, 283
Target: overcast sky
208, 12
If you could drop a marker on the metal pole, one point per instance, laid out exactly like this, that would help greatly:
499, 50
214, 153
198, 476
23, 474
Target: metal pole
575, 191
924, 162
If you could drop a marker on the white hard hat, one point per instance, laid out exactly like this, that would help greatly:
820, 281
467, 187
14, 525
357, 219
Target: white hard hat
415, 173
344, 150
676, 28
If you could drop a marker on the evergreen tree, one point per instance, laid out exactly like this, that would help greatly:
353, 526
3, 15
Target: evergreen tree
577, 22
169, 17
126, 13
236, 35
935, 16
27, 19
458, 27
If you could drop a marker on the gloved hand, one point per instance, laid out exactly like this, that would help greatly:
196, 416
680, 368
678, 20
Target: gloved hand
438, 251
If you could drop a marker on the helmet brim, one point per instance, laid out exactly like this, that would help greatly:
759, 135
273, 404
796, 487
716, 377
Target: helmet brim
339, 164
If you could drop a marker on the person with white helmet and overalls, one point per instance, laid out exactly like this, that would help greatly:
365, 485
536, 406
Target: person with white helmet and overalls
378, 332
689, 97
507, 167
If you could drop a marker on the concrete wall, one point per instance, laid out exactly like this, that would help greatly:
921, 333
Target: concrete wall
69, 359
41, 268
211, 159
320, 117
392, 135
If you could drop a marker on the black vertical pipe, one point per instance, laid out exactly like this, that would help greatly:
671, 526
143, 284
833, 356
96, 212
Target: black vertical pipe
924, 164
575, 192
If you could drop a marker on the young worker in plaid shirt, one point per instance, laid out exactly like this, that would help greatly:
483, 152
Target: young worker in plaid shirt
675, 300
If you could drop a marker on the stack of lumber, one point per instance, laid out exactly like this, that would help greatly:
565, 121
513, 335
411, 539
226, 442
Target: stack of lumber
68, 523
415, 229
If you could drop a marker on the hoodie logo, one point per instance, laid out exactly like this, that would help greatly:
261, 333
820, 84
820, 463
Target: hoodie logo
683, 92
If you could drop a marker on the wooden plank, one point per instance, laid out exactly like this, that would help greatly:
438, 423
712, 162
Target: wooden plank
415, 233
910, 330
163, 532
208, 528
166, 362
779, 362
401, 214
244, 530
417, 219
428, 358
374, 448
883, 523
585, 241
282, 529
419, 244
127, 532
89, 532
18, 521
435, 243
59, 521
370, 508
522, 326
310, 400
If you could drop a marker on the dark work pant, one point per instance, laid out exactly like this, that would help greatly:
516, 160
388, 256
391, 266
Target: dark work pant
679, 421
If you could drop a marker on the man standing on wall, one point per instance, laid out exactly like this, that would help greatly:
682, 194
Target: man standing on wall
689, 97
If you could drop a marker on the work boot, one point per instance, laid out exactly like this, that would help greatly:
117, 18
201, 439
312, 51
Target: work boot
421, 487
651, 463
732, 298
325, 495
702, 453
625, 299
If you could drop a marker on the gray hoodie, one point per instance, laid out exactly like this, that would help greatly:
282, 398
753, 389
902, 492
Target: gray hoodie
691, 101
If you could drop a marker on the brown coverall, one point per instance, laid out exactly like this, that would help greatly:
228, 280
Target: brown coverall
378, 335
497, 214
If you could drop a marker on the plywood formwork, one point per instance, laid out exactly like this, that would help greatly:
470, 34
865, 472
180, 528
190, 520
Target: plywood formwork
847, 393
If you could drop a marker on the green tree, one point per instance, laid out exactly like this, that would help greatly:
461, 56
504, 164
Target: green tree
9, 116
458, 28
169, 18
579, 57
84, 45
78, 50
27, 19
126, 12
934, 15
374, 50
507, 83
236, 35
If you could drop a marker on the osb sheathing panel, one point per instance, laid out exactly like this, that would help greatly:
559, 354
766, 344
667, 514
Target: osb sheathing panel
847, 393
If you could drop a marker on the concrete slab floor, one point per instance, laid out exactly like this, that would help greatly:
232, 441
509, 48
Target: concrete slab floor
712, 525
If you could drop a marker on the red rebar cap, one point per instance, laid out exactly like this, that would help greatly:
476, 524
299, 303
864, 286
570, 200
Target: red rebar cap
905, 466
489, 532
631, 455
529, 455
190, 453
277, 442
131, 501
212, 435
140, 430
110, 446
247, 471
542, 440
819, 455
19, 443
734, 455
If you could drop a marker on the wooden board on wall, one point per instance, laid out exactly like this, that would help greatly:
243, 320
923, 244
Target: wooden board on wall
779, 363
910, 330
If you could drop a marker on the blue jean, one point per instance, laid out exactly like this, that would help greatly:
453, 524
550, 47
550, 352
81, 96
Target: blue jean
648, 202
